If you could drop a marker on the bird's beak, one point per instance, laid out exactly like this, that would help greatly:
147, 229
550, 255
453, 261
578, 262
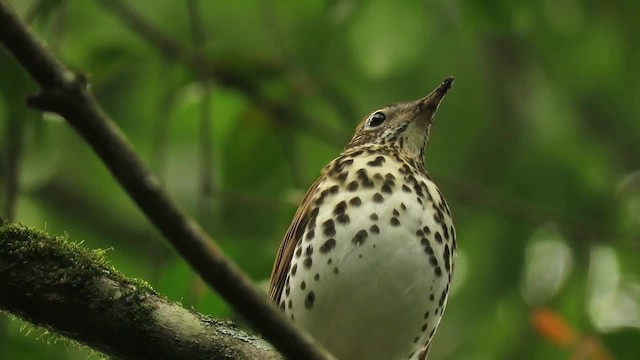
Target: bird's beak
424, 109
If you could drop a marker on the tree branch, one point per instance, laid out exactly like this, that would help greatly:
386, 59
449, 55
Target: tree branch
61, 286
68, 95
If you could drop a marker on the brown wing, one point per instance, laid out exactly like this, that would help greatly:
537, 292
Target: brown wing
288, 244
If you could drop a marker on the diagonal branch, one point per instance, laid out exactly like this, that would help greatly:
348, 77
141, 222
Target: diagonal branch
68, 95
63, 287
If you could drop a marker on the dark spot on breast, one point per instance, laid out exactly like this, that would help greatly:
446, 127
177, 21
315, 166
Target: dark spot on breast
437, 271
405, 188
307, 262
418, 190
431, 297
320, 200
355, 201
374, 229
298, 252
378, 161
446, 256
343, 176
378, 176
352, 186
394, 221
343, 219
419, 233
310, 234
415, 340
445, 231
282, 305
426, 315
290, 304
438, 237
386, 189
340, 208
403, 206
426, 230
425, 326
362, 174
443, 297
334, 189
377, 197
367, 183
373, 217
309, 300
396, 212
360, 237
433, 261
316, 277
356, 153
335, 270
427, 247
303, 285
294, 269
309, 251
389, 176
328, 246
329, 228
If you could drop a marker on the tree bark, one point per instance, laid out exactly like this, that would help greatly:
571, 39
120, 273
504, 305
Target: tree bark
54, 283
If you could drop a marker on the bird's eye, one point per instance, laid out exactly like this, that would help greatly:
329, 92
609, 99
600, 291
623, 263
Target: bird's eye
376, 119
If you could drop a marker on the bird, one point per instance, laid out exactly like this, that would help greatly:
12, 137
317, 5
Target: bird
365, 266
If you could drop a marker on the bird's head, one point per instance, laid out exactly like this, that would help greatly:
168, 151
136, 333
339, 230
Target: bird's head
403, 126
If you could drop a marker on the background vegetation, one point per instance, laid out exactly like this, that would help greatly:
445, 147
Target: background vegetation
536, 148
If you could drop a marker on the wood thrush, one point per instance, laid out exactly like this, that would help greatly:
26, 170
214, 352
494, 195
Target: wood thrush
366, 264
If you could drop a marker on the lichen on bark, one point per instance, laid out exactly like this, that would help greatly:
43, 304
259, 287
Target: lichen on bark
72, 291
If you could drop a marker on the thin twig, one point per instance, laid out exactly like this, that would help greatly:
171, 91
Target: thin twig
206, 185
68, 95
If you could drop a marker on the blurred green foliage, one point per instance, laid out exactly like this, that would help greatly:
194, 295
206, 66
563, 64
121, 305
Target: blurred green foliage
537, 149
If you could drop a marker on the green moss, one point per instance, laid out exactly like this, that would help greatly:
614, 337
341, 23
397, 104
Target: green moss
19, 244
55, 260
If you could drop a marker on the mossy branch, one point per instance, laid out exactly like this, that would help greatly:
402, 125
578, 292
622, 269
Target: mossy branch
69, 95
57, 284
